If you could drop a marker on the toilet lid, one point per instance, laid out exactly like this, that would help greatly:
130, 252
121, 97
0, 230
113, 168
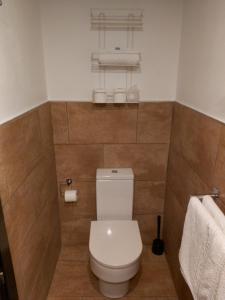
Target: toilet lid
115, 243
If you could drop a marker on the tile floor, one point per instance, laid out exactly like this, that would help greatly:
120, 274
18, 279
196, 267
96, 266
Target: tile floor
73, 279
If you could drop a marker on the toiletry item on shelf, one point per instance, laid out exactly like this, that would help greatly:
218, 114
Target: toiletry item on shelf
133, 94
119, 95
100, 96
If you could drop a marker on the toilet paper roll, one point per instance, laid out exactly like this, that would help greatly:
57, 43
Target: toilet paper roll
100, 96
71, 196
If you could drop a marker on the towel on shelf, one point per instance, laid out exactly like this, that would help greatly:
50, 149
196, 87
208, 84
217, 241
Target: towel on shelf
119, 59
215, 212
202, 253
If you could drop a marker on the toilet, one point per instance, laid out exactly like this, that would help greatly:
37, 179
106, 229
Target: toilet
115, 244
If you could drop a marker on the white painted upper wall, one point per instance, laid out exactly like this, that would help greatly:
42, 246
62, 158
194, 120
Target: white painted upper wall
22, 80
201, 82
69, 41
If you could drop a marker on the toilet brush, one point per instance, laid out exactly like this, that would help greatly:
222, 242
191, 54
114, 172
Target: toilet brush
158, 244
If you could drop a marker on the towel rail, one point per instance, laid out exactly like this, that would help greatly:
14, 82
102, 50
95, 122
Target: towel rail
215, 195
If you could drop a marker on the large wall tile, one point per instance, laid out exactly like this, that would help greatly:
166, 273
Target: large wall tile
219, 172
173, 227
147, 224
106, 136
183, 180
196, 165
154, 122
21, 148
182, 289
78, 161
148, 161
48, 192
196, 137
26, 204
4, 192
59, 122
149, 197
46, 130
42, 282
89, 124
28, 188
76, 231
86, 204
32, 250
172, 231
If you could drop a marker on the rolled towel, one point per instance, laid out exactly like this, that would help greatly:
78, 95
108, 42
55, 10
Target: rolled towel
202, 253
215, 212
119, 59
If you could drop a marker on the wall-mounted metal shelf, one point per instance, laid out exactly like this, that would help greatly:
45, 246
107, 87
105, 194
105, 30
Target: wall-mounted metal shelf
117, 19
119, 59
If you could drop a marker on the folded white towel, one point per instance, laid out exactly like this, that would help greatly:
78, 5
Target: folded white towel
219, 218
202, 253
215, 212
220, 294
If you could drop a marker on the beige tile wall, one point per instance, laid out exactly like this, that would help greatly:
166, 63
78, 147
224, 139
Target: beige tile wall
196, 165
89, 136
28, 189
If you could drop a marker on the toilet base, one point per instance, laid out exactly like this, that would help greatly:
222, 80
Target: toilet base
113, 290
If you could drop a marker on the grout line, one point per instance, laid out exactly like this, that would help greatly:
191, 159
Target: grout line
93, 179
217, 154
103, 155
40, 159
169, 153
192, 168
68, 127
111, 144
137, 123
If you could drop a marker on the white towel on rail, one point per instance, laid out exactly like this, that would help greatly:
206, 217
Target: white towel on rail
202, 253
215, 212
219, 218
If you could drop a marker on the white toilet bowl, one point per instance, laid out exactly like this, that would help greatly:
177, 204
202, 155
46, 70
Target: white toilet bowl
115, 249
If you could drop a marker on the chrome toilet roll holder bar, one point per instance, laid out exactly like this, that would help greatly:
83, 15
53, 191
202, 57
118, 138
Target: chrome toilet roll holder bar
68, 182
215, 195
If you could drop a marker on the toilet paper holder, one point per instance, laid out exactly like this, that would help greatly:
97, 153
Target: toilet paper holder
68, 182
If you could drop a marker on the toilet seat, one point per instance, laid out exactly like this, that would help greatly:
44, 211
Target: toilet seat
115, 243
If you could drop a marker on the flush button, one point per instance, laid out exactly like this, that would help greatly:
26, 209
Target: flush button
114, 171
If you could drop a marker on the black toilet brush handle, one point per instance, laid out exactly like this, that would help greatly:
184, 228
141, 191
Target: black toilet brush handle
158, 226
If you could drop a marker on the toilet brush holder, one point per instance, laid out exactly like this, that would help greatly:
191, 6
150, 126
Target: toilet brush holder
158, 244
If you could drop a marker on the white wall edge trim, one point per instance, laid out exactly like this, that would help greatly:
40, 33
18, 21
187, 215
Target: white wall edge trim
21, 112
216, 118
